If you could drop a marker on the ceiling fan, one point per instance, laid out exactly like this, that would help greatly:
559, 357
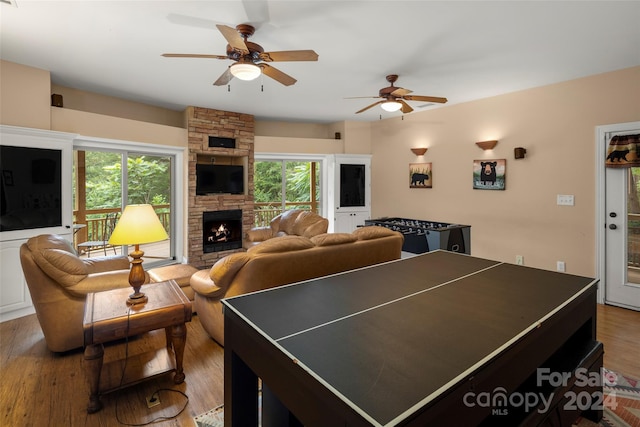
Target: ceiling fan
250, 58
394, 98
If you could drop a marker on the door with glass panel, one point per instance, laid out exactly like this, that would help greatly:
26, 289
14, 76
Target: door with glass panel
104, 182
622, 235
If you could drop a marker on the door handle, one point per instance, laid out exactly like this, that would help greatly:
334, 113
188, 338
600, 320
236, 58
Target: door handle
612, 226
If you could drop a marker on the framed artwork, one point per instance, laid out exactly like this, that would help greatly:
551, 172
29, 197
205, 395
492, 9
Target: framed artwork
420, 175
489, 174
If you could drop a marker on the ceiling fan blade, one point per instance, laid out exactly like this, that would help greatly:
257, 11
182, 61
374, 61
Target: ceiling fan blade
193, 55
372, 105
425, 99
277, 75
362, 97
406, 108
401, 92
224, 79
289, 55
233, 37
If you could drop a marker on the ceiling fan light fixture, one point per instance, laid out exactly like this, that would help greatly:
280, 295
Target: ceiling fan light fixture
391, 106
245, 71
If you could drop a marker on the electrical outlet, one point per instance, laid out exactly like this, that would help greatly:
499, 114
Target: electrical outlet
153, 400
519, 260
560, 266
564, 200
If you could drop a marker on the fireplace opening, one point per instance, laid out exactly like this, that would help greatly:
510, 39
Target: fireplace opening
221, 230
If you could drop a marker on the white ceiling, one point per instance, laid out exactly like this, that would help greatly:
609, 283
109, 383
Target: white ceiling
462, 50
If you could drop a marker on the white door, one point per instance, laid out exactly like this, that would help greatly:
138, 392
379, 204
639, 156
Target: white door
622, 233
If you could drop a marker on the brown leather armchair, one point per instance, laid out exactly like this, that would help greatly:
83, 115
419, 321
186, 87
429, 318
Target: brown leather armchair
294, 222
59, 282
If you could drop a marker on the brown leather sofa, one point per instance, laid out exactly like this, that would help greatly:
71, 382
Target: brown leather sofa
59, 282
284, 260
295, 222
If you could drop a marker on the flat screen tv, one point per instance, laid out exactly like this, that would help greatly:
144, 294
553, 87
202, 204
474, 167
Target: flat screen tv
211, 179
31, 188
352, 185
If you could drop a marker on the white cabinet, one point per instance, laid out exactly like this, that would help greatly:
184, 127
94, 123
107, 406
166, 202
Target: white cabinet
350, 192
15, 300
36, 193
346, 222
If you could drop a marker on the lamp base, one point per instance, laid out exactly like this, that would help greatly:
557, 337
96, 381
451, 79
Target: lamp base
137, 298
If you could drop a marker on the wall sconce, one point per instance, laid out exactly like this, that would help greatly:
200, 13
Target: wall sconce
419, 151
487, 145
519, 152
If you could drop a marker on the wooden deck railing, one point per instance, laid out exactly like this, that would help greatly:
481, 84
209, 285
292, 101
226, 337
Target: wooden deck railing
94, 221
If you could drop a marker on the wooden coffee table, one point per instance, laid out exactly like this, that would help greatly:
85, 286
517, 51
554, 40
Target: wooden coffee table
107, 317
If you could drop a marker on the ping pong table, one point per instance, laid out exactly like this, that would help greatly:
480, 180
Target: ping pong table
437, 339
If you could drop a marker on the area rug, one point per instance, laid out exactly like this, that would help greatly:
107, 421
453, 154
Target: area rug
621, 402
621, 405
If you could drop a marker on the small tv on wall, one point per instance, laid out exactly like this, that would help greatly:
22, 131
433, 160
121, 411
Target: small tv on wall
212, 179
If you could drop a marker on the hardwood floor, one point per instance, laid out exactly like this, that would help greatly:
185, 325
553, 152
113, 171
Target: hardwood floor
39, 388
619, 330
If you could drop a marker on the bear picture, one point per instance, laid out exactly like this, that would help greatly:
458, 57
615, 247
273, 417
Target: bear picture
420, 175
489, 174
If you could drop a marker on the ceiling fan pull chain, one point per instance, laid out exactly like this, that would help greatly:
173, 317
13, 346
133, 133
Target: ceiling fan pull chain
228, 88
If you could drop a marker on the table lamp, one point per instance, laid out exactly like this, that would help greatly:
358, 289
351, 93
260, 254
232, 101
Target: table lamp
138, 224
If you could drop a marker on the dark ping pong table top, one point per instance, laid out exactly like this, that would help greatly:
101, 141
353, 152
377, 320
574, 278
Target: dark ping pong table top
390, 338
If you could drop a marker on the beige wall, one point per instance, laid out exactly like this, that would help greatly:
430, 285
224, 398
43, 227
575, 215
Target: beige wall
25, 96
556, 124
98, 125
279, 144
74, 99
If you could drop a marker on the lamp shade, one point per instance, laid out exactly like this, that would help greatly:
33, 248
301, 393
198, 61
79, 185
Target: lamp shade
245, 71
138, 224
391, 106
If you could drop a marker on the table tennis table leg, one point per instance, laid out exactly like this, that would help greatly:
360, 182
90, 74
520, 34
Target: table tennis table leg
274, 413
240, 392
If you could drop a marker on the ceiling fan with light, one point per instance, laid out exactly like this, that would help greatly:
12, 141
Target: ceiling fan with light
250, 58
393, 98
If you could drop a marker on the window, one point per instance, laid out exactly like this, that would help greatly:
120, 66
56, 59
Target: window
288, 182
108, 176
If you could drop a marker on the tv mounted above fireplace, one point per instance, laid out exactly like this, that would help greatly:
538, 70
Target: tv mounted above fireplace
212, 179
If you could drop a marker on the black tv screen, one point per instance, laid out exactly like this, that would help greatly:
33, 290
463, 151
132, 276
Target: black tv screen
352, 185
31, 188
212, 179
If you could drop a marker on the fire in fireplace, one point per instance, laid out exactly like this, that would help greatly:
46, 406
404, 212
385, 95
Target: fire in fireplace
221, 230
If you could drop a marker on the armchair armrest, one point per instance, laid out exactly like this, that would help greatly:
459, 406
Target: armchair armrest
102, 281
202, 284
259, 234
109, 263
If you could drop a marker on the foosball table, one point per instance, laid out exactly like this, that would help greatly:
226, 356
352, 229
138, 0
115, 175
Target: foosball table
422, 236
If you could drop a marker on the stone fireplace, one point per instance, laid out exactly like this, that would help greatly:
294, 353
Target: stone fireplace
221, 230
238, 129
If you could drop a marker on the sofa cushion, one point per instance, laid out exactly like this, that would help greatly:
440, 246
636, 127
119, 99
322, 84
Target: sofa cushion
225, 269
372, 232
328, 239
281, 244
